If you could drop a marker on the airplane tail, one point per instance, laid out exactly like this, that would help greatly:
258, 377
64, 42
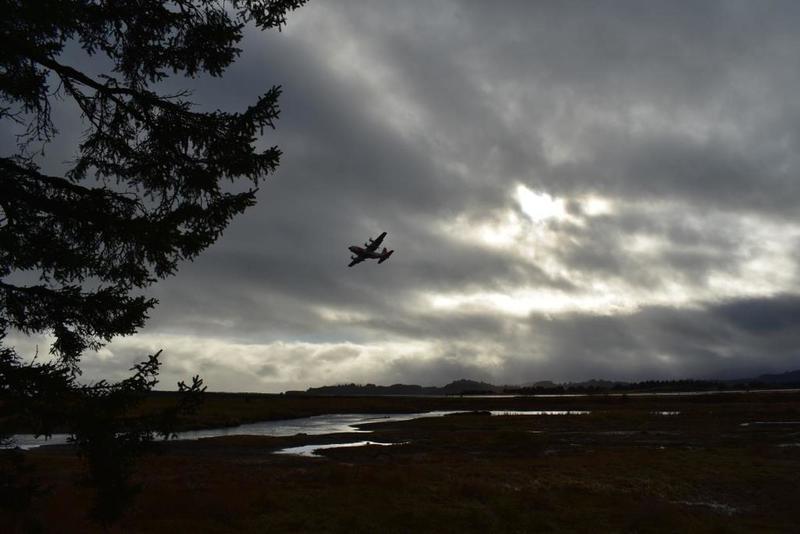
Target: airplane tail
385, 255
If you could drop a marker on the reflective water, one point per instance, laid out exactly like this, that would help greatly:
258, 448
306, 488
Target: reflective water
311, 450
539, 412
315, 425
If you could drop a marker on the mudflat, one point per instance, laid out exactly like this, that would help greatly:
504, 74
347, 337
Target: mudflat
705, 463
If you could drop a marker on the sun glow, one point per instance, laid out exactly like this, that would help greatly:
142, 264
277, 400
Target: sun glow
540, 207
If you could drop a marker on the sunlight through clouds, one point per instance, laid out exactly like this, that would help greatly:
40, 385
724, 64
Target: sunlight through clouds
232, 366
526, 221
537, 228
521, 302
595, 206
540, 207
547, 175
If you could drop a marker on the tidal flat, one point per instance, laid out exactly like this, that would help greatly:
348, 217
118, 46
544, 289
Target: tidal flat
710, 463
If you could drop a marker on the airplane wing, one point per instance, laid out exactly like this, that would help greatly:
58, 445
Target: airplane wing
357, 259
373, 245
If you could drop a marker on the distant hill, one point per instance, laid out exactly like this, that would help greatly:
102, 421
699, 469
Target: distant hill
461, 387
473, 387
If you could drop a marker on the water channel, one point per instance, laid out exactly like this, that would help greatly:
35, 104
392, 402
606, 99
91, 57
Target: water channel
314, 425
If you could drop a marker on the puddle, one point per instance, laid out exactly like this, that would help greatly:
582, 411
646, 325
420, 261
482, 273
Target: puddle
716, 506
310, 451
770, 423
29, 441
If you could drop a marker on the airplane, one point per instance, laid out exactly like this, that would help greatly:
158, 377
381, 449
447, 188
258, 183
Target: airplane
370, 251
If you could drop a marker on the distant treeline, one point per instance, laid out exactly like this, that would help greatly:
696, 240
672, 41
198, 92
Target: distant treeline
471, 387
370, 389
661, 386
459, 387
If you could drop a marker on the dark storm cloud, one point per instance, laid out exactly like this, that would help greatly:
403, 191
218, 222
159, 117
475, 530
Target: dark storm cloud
702, 174
733, 339
728, 67
421, 119
762, 316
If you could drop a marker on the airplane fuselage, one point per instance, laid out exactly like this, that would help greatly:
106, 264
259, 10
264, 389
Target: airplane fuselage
364, 252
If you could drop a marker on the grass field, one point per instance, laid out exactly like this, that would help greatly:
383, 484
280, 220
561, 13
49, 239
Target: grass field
716, 466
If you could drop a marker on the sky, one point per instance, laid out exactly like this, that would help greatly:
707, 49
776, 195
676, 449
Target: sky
574, 190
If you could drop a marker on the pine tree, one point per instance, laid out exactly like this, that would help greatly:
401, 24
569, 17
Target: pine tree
145, 192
